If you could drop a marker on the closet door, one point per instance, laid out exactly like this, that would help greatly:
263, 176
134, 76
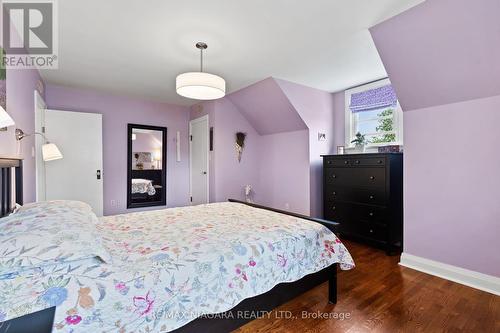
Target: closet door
78, 175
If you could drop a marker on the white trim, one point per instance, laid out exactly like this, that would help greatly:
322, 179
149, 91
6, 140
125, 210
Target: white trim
191, 122
463, 276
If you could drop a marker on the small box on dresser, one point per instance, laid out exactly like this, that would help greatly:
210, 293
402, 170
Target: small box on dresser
364, 193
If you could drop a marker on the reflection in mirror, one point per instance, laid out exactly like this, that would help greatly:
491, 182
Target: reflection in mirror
146, 181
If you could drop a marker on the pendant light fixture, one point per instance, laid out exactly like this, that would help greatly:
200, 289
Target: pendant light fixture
200, 85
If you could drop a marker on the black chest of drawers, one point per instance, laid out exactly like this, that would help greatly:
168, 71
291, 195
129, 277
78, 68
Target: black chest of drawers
364, 193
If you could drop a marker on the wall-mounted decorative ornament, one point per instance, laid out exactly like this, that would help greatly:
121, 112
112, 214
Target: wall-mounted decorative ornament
248, 193
240, 144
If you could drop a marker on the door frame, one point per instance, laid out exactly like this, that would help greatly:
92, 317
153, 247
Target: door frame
191, 122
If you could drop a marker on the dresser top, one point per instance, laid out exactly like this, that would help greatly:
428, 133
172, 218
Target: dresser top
362, 154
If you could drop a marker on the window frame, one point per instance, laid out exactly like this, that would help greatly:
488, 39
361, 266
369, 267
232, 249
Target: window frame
350, 122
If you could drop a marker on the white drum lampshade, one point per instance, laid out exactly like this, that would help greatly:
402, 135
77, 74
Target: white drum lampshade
199, 85
5, 119
50, 152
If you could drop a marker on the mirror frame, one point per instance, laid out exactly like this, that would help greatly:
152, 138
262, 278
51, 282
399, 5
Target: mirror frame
163, 199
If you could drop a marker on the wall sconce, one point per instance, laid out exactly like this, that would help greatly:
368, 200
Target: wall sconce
50, 152
5, 119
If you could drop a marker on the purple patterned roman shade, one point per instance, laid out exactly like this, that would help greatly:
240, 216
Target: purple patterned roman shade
373, 99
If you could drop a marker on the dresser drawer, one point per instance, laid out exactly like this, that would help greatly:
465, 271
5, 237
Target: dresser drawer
371, 196
371, 230
371, 214
370, 161
355, 177
336, 162
337, 211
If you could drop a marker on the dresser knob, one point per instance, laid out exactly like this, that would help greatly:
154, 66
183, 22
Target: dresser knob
329, 162
379, 161
334, 176
372, 177
371, 231
334, 193
346, 162
372, 197
357, 162
371, 214
333, 208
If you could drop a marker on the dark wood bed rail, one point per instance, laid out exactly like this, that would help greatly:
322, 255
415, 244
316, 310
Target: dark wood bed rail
329, 224
6, 195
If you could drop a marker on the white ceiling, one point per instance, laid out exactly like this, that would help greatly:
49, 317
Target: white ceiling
137, 48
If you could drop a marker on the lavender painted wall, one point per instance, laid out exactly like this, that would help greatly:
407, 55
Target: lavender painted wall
452, 210
442, 51
21, 85
117, 112
316, 109
441, 56
266, 108
284, 178
273, 185
228, 176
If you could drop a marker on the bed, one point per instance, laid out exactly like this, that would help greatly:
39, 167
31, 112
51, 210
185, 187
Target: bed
159, 271
143, 186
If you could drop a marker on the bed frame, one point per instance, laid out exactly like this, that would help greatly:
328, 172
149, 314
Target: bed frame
226, 322
8, 168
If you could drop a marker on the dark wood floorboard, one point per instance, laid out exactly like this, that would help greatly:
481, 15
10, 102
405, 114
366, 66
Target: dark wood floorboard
381, 296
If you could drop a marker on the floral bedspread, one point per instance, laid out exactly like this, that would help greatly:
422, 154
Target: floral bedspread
170, 266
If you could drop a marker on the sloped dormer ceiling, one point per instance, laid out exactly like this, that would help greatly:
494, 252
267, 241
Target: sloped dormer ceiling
442, 52
267, 108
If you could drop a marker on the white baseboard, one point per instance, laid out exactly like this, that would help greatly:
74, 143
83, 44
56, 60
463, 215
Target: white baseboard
463, 276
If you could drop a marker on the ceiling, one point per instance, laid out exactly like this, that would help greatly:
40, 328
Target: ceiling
137, 48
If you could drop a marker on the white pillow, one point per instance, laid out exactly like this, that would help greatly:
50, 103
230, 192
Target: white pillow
48, 233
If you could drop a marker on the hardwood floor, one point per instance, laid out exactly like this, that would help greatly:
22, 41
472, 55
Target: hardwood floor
381, 296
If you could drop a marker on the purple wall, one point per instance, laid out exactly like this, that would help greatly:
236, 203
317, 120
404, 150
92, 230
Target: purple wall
282, 120
227, 176
230, 175
266, 108
21, 85
316, 109
439, 53
452, 210
284, 178
442, 51
117, 112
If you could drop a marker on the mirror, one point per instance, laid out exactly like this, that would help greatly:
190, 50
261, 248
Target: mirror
147, 166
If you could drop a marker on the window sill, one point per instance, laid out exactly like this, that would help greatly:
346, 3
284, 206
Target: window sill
369, 149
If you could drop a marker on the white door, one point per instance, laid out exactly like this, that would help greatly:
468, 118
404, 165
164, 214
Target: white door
198, 148
78, 175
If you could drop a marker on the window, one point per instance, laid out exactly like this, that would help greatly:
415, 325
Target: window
373, 110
